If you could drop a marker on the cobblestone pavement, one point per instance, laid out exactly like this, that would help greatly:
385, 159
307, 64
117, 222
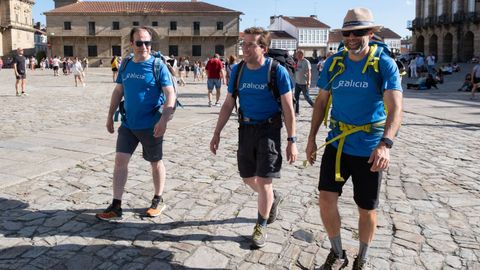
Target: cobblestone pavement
56, 164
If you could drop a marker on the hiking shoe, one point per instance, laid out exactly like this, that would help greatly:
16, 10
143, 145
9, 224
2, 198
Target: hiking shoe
156, 208
333, 262
361, 264
19, 95
259, 236
110, 213
277, 198
24, 94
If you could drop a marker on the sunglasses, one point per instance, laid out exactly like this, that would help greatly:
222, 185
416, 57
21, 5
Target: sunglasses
357, 33
140, 43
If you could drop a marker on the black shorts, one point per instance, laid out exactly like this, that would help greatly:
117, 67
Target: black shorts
128, 140
366, 184
21, 76
114, 69
259, 151
55, 68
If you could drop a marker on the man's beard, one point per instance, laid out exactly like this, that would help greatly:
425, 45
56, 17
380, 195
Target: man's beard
360, 48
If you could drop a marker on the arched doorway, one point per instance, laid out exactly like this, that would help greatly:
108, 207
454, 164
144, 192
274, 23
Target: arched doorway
448, 48
468, 50
420, 45
433, 45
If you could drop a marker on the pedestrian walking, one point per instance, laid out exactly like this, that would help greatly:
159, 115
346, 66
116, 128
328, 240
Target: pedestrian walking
77, 71
20, 70
141, 88
303, 76
259, 154
214, 70
366, 132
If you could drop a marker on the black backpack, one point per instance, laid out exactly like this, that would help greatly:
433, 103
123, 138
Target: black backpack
279, 57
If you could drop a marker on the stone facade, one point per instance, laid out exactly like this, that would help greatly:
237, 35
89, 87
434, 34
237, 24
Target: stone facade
100, 36
449, 29
16, 26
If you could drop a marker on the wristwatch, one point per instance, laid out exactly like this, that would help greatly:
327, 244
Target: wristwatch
388, 143
292, 139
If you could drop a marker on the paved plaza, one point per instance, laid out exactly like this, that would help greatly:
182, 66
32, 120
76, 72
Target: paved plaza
56, 163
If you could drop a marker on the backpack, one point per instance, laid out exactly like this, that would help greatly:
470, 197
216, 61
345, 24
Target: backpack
337, 67
158, 61
115, 62
278, 57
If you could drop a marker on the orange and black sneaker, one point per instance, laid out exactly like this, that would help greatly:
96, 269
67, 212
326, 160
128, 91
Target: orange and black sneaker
111, 213
156, 208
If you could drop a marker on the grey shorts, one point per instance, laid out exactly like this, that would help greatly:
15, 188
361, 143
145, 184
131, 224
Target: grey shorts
21, 76
214, 83
259, 151
128, 140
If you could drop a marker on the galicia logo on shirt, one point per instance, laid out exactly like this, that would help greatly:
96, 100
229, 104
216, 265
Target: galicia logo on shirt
350, 83
135, 76
252, 86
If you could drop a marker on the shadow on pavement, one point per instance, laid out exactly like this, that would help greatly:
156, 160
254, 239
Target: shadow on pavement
16, 221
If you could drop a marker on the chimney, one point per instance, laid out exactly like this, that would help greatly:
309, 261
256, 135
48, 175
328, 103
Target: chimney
314, 16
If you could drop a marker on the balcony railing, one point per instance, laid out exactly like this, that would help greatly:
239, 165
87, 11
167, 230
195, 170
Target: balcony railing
443, 19
458, 17
473, 17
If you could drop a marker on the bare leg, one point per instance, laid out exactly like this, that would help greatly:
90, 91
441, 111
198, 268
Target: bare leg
264, 188
159, 175
120, 174
217, 95
329, 212
367, 224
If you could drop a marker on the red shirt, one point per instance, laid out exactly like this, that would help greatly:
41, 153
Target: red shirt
214, 67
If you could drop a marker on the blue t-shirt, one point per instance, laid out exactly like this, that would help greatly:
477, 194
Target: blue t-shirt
357, 99
256, 99
141, 94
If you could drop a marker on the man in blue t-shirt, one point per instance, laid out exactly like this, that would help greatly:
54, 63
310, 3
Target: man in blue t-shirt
357, 100
137, 85
259, 149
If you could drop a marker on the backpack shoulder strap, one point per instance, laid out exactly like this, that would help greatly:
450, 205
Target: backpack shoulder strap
272, 78
237, 78
124, 63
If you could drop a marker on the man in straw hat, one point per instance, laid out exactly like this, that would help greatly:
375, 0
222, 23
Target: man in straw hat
366, 132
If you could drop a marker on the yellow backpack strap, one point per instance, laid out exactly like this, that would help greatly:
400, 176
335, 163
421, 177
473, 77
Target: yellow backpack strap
337, 61
372, 59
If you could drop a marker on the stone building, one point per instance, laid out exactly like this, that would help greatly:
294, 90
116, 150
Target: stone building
16, 26
449, 29
99, 30
310, 33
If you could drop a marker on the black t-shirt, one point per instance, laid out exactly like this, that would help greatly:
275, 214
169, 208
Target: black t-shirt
20, 61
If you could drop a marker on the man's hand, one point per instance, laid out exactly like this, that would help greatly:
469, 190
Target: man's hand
311, 151
109, 125
159, 129
292, 152
214, 142
380, 158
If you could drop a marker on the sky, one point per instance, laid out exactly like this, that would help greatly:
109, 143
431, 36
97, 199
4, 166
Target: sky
393, 14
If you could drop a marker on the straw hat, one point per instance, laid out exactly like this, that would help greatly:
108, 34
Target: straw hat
359, 18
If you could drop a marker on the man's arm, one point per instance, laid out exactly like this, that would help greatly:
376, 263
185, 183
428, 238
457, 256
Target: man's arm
287, 108
117, 96
309, 73
380, 157
161, 126
223, 117
318, 114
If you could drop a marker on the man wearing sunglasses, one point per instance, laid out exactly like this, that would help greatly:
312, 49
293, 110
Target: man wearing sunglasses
357, 102
138, 87
259, 154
